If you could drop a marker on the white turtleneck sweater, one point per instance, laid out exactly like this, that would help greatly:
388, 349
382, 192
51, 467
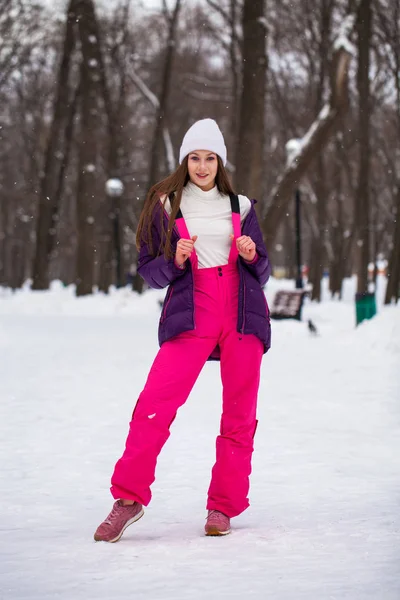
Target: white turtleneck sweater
209, 216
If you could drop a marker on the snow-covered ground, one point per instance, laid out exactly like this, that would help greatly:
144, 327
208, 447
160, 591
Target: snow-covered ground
325, 517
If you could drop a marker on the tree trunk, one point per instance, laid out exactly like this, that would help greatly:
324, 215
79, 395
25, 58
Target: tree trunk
392, 39
235, 68
362, 209
289, 253
4, 238
112, 265
318, 246
318, 252
50, 193
90, 122
338, 241
249, 160
393, 284
19, 255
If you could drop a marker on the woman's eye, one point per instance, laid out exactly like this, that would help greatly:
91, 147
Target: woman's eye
194, 158
211, 158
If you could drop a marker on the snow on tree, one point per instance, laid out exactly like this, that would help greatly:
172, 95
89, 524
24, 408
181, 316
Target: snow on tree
318, 134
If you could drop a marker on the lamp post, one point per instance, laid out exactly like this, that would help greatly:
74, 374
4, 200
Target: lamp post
293, 148
299, 276
114, 190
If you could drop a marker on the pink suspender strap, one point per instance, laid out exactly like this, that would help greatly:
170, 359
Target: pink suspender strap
184, 233
237, 230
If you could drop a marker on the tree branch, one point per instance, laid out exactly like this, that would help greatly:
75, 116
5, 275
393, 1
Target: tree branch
318, 134
146, 91
207, 97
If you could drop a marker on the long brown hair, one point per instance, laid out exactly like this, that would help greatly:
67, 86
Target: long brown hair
171, 187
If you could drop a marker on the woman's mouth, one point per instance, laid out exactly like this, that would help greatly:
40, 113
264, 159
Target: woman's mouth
201, 176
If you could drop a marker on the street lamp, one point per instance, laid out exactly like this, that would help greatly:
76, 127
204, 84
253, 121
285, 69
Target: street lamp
114, 187
293, 148
114, 190
299, 276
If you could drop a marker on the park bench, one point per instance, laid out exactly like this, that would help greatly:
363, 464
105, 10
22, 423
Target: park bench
288, 304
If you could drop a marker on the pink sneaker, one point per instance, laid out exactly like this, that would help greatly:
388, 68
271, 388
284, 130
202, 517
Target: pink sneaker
217, 523
117, 521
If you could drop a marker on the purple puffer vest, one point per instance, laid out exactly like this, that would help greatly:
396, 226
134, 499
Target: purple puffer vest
177, 314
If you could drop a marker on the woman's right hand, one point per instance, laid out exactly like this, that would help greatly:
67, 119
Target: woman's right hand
184, 249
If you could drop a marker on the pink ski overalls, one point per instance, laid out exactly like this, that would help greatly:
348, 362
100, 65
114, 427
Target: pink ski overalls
172, 377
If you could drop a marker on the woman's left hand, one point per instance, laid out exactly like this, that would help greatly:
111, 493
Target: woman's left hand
246, 247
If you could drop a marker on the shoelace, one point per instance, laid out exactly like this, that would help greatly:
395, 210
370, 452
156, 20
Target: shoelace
113, 514
218, 513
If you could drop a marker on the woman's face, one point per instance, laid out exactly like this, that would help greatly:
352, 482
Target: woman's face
203, 167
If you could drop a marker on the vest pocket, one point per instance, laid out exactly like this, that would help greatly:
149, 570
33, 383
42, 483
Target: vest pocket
257, 302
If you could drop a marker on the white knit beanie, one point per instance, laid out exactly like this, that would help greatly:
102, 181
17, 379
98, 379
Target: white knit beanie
203, 135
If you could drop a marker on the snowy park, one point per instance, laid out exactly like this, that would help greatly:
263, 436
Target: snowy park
324, 517
164, 165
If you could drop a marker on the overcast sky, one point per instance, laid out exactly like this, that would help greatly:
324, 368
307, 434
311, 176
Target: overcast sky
59, 5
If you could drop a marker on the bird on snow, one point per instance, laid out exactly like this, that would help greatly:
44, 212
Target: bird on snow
311, 328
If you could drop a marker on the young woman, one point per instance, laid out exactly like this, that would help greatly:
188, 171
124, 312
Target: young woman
205, 243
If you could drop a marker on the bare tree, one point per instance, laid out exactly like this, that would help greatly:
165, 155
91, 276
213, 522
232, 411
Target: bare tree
340, 236
389, 24
318, 247
27, 48
88, 145
393, 287
230, 37
317, 136
362, 208
114, 105
18, 24
161, 125
51, 184
156, 158
250, 143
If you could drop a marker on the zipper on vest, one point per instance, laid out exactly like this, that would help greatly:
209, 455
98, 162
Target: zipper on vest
244, 306
266, 304
166, 302
193, 293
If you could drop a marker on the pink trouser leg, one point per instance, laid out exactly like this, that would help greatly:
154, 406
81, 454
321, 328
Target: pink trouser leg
171, 378
240, 371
